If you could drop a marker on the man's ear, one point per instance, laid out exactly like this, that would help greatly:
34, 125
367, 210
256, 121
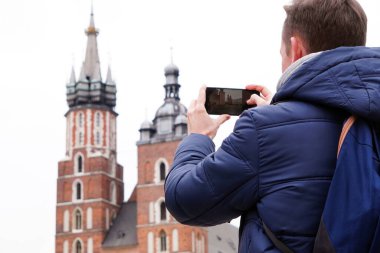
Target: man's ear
297, 48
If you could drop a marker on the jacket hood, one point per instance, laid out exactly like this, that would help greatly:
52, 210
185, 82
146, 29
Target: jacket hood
347, 78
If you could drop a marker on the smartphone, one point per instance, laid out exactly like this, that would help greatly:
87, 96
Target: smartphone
227, 100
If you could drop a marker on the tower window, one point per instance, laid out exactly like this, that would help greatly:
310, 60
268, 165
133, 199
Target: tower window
162, 171
163, 211
78, 220
80, 164
78, 247
162, 241
78, 191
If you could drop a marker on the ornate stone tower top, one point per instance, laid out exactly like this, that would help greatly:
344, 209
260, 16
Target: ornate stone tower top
170, 122
90, 89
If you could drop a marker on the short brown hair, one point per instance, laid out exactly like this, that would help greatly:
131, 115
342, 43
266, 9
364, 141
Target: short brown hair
325, 24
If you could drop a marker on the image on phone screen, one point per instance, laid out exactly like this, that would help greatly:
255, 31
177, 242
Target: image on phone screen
227, 100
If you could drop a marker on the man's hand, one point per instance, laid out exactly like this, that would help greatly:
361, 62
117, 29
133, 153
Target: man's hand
265, 95
198, 121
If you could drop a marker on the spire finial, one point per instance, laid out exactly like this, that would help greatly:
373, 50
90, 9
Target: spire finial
91, 28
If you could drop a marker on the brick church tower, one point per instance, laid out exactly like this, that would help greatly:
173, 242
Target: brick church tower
157, 230
91, 215
90, 181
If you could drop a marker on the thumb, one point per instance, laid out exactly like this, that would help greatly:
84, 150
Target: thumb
255, 99
222, 118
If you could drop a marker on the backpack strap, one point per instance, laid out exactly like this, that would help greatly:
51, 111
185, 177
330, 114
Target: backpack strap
323, 242
279, 245
346, 127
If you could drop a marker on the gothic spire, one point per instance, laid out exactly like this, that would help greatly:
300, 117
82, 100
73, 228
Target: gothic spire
91, 66
72, 77
109, 79
89, 89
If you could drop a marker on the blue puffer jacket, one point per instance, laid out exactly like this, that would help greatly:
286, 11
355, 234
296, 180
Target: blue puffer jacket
277, 164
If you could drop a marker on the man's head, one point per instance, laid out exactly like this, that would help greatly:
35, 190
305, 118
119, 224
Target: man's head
318, 25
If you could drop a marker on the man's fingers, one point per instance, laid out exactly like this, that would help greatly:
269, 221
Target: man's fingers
222, 118
202, 95
257, 100
262, 89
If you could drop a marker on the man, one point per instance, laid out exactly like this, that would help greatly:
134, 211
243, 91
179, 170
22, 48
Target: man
276, 166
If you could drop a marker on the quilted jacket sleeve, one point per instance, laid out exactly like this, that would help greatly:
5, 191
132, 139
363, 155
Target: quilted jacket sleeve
207, 188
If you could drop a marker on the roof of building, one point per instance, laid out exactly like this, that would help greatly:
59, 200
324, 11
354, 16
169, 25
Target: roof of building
171, 69
223, 238
123, 232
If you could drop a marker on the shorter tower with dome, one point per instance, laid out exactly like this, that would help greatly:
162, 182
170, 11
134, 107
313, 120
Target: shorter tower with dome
170, 121
143, 223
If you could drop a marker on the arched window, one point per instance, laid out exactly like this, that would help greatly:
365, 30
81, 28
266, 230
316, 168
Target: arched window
162, 171
78, 191
78, 247
162, 211
77, 220
80, 164
162, 241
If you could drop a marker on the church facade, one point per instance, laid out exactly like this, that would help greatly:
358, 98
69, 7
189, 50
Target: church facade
91, 214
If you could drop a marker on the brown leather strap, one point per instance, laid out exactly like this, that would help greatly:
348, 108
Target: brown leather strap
346, 127
279, 245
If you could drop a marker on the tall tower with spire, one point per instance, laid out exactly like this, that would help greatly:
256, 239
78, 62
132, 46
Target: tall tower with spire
90, 181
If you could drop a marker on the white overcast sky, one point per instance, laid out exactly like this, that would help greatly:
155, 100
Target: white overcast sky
216, 42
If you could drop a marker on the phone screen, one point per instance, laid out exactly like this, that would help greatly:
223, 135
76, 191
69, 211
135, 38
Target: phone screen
227, 100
